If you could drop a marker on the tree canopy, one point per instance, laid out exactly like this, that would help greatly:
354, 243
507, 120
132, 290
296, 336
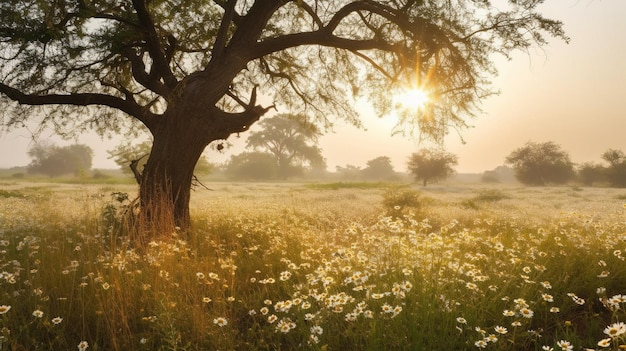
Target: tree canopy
290, 141
252, 166
429, 165
616, 171
193, 71
349, 172
133, 55
379, 168
590, 173
541, 164
54, 161
498, 174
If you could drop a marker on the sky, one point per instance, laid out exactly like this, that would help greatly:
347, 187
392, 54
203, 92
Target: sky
572, 94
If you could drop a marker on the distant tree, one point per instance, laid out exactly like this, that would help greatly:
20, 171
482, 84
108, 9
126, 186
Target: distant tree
616, 171
379, 168
590, 173
53, 161
349, 172
291, 142
613, 156
497, 175
541, 164
430, 165
490, 177
204, 167
252, 166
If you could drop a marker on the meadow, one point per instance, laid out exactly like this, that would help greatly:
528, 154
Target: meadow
339, 266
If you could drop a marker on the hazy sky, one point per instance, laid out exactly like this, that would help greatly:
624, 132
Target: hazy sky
573, 94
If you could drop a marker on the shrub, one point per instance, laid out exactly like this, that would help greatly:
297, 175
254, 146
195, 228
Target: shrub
486, 195
396, 200
11, 193
98, 174
491, 195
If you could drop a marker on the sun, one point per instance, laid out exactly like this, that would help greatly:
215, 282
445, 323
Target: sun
413, 99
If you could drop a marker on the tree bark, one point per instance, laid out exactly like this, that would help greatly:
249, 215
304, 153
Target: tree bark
180, 136
165, 189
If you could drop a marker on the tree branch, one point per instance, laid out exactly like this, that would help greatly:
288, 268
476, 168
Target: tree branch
150, 81
157, 53
133, 167
251, 102
312, 12
282, 75
116, 18
236, 17
324, 36
222, 33
128, 106
375, 65
253, 23
363, 5
229, 123
320, 37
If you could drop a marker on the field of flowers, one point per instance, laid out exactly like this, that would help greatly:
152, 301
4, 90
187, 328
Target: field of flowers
317, 267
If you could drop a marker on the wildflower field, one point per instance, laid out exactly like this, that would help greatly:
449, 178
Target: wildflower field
317, 267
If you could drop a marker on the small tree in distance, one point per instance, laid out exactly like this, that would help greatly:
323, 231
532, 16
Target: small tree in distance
379, 168
590, 173
349, 172
498, 175
256, 165
54, 161
616, 171
431, 165
291, 142
541, 164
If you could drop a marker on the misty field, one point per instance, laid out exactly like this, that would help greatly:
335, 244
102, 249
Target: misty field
351, 266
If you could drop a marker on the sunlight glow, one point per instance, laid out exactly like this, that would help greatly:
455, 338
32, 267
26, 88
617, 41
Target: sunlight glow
413, 99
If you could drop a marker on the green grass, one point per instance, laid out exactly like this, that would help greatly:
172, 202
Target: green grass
10, 193
491, 195
484, 196
293, 268
350, 185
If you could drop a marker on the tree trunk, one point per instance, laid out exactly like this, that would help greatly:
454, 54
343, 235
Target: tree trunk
283, 167
180, 136
165, 187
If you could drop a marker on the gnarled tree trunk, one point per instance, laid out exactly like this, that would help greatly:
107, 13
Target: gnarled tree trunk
179, 138
165, 187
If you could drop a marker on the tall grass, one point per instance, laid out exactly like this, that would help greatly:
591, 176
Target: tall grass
257, 273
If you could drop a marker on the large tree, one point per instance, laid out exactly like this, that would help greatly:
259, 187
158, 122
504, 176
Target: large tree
190, 71
541, 164
430, 165
291, 141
